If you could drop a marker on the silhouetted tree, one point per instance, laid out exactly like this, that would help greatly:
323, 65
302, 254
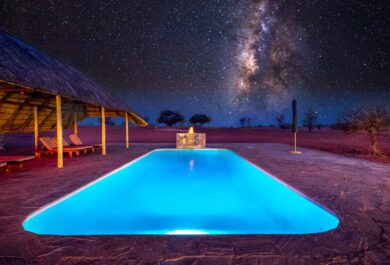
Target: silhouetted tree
310, 119
170, 117
200, 119
372, 120
280, 120
245, 122
242, 122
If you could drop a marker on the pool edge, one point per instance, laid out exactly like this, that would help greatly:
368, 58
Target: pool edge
307, 197
64, 197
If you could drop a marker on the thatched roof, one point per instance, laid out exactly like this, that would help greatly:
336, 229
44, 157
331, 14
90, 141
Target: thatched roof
29, 78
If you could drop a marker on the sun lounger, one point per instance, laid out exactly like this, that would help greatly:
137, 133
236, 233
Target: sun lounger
81, 147
49, 147
15, 160
77, 142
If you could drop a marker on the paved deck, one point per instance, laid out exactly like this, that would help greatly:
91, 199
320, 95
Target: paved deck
357, 191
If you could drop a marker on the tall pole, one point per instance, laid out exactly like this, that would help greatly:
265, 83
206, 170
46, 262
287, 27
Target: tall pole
295, 142
75, 129
295, 126
36, 131
103, 132
127, 129
60, 159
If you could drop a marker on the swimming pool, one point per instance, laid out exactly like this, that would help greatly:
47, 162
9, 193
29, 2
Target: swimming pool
170, 191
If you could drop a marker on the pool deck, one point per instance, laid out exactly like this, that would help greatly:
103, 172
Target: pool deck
358, 191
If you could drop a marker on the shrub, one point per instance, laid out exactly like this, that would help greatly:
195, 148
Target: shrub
372, 120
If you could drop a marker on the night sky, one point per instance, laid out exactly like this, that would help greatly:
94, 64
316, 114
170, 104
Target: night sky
228, 59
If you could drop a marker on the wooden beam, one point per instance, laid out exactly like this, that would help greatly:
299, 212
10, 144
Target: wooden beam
42, 123
36, 130
60, 159
103, 132
127, 130
41, 106
4, 99
21, 103
15, 113
75, 129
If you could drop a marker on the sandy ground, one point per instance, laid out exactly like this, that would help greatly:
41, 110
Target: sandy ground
358, 191
334, 141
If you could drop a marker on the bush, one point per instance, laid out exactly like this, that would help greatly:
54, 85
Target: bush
372, 120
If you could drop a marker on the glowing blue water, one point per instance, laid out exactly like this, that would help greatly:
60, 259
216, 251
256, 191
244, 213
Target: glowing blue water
183, 192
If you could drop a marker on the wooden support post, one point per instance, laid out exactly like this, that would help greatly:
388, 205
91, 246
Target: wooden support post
36, 131
127, 129
60, 159
75, 129
103, 132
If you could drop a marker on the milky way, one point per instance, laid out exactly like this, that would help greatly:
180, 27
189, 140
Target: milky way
229, 58
270, 54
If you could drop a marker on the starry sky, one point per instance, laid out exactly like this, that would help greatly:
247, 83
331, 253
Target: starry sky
228, 59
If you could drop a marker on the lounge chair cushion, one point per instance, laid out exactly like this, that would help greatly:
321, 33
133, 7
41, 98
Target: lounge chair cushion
64, 142
67, 146
77, 141
48, 143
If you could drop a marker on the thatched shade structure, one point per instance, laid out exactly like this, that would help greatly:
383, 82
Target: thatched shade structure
30, 82
31, 78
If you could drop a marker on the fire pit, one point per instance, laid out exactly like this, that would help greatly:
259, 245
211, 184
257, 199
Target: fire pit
190, 140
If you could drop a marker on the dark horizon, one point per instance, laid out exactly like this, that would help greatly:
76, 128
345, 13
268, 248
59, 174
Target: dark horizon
226, 59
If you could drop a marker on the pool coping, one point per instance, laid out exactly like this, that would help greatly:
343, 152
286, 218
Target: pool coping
62, 198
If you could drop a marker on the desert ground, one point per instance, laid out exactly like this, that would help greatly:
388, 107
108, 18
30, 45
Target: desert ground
330, 171
325, 139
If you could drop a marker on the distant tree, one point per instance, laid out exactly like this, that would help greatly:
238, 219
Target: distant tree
108, 121
242, 122
280, 120
245, 122
200, 119
372, 120
170, 117
310, 119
